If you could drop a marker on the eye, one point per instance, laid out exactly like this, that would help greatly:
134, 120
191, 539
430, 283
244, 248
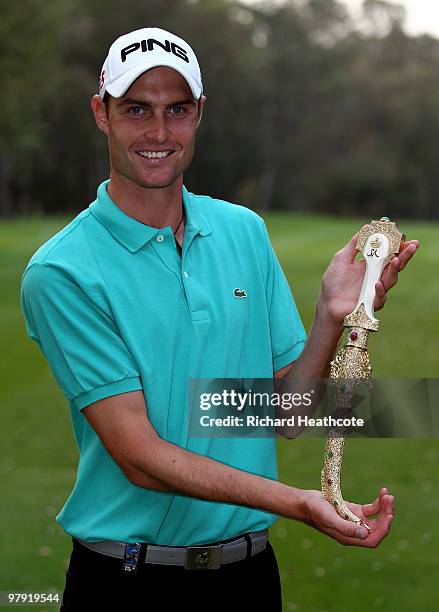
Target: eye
136, 110
177, 110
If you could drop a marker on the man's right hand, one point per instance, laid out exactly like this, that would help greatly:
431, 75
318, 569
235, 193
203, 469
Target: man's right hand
319, 513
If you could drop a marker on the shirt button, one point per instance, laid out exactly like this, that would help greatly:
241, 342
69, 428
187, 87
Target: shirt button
160, 238
186, 274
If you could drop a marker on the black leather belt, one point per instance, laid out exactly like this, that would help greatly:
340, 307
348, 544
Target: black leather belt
189, 557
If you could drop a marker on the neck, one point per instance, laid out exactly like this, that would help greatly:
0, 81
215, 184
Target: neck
154, 207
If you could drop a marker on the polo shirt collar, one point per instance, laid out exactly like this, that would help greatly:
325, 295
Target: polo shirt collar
133, 234
194, 218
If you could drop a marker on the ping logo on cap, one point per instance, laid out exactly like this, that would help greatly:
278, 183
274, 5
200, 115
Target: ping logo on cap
134, 53
148, 45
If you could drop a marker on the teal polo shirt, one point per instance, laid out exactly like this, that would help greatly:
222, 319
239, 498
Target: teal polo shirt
114, 308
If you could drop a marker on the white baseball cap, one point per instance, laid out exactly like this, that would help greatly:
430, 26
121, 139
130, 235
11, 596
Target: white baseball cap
133, 54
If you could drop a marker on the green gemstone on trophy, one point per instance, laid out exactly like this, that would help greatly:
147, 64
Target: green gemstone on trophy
329, 454
384, 219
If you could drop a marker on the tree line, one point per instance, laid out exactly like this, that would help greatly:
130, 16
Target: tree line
306, 109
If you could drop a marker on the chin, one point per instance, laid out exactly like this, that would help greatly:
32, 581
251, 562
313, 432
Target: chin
158, 180
158, 183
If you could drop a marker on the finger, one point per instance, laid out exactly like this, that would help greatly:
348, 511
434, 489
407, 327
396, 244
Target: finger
380, 295
347, 529
373, 508
373, 539
378, 503
346, 541
383, 522
381, 530
406, 254
386, 502
389, 505
398, 263
415, 242
385, 519
389, 276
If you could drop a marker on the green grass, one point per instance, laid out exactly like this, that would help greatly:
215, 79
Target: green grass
38, 457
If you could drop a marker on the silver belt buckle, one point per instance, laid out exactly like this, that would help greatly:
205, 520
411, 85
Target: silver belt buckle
203, 557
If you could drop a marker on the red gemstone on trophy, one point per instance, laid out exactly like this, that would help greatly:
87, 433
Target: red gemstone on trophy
354, 335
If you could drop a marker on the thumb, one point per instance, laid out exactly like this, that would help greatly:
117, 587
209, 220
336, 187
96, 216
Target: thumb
349, 529
349, 251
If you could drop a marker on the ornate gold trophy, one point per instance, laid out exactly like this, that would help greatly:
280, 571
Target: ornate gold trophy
379, 242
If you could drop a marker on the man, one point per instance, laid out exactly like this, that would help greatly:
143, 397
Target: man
136, 296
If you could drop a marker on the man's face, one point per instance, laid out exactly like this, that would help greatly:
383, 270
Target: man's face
151, 129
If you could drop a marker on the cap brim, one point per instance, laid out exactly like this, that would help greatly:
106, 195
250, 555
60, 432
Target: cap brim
119, 86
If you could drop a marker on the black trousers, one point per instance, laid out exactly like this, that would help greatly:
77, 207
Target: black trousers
95, 582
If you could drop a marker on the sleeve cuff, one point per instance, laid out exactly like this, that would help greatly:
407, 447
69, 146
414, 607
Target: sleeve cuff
114, 388
286, 358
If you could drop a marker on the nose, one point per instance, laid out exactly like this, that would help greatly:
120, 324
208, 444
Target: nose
157, 129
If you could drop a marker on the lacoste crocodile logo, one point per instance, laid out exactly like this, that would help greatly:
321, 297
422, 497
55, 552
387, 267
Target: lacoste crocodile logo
240, 293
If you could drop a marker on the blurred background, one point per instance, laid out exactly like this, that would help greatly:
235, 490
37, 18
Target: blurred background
320, 115
309, 108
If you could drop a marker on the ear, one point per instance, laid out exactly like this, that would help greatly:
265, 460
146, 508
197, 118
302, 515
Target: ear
99, 112
201, 102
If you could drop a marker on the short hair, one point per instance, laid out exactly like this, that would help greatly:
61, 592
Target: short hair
106, 101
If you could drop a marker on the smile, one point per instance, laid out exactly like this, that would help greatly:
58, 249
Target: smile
154, 154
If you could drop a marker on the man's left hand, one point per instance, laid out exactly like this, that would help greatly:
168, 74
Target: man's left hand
342, 281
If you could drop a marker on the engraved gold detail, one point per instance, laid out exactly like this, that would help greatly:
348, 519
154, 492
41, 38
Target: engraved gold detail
359, 318
388, 228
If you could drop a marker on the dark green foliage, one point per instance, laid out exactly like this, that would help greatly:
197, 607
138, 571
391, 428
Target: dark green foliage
304, 111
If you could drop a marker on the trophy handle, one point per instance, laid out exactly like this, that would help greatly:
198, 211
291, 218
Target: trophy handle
379, 242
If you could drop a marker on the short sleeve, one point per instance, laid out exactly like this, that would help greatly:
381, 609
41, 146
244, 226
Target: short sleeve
81, 342
288, 336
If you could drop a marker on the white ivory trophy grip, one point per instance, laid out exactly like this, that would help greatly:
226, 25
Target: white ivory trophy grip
379, 242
